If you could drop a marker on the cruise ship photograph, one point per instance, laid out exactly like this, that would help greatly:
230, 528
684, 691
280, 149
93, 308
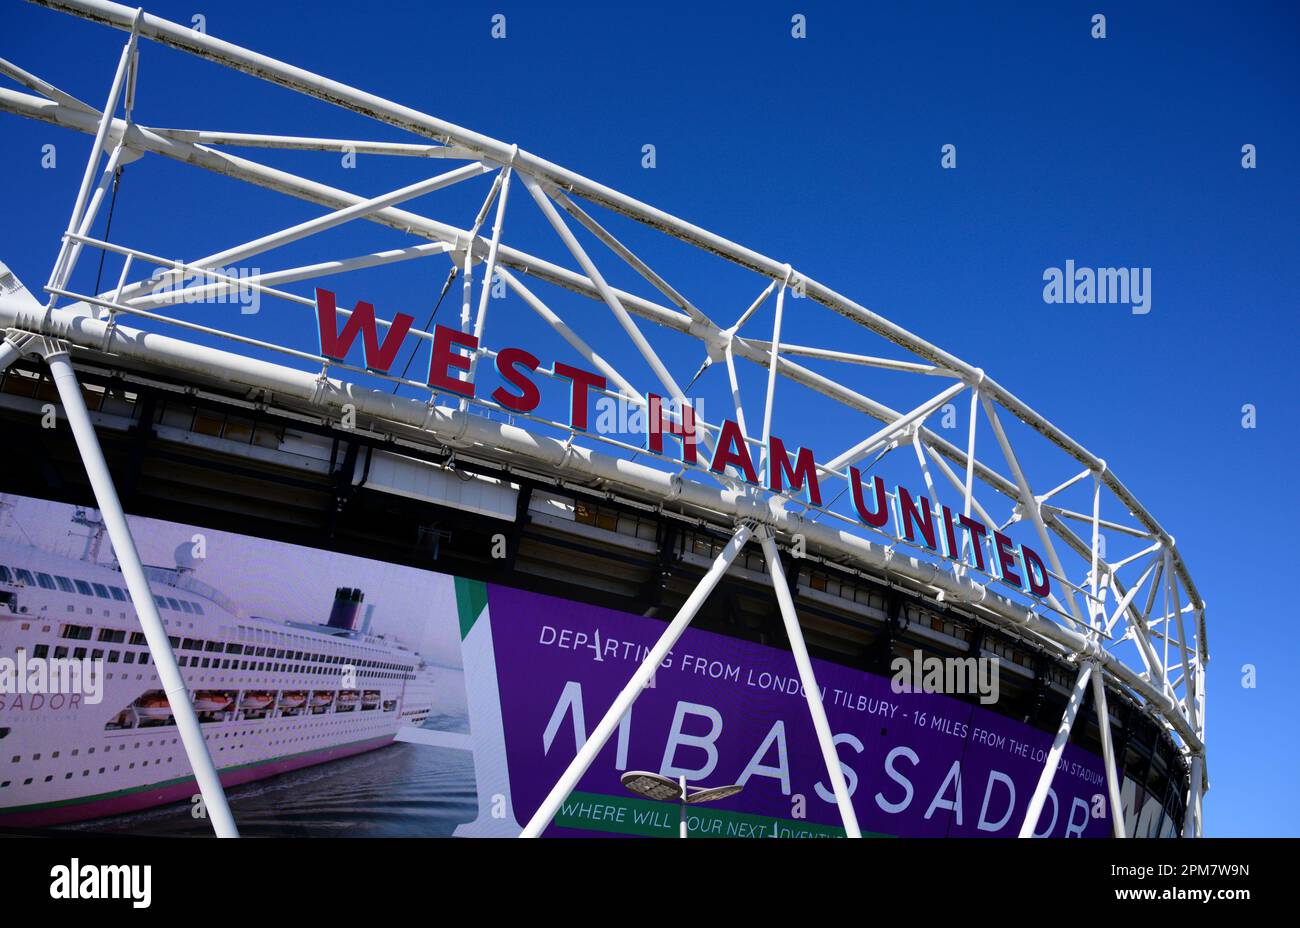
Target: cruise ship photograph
286, 668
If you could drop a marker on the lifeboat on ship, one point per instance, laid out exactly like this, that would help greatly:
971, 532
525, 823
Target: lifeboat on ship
321, 700
211, 701
292, 700
348, 699
153, 707
370, 699
256, 702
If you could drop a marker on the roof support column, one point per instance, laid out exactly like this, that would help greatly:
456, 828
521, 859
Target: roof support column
640, 679
1108, 752
809, 680
146, 609
1058, 748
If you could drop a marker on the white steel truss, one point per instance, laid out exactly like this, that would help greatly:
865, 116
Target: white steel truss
1096, 617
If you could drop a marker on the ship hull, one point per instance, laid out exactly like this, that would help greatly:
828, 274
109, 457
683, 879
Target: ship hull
173, 791
82, 750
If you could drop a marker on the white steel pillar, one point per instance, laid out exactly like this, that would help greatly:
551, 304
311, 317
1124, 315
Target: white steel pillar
623, 702
1058, 748
764, 461
1192, 816
809, 680
485, 288
681, 831
119, 533
68, 250
1108, 751
9, 353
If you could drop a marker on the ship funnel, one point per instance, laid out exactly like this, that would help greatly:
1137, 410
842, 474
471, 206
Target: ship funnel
347, 603
185, 557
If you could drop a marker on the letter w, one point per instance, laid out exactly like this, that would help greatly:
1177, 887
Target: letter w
335, 344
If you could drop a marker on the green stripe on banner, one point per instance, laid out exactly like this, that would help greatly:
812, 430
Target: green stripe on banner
628, 815
471, 600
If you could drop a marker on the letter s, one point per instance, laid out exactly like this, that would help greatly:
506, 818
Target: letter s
899, 778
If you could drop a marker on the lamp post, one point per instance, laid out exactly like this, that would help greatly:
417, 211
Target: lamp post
658, 787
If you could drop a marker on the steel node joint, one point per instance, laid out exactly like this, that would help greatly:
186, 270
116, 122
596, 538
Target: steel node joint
27, 343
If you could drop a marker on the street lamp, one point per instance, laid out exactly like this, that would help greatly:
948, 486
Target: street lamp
665, 789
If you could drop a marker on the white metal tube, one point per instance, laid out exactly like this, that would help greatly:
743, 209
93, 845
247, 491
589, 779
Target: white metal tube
847, 357
869, 444
1065, 486
1081, 548
467, 264
735, 393
1104, 523
611, 299
614, 245
330, 220
201, 292
640, 679
968, 491
178, 267
485, 288
63, 265
1189, 688
122, 278
1127, 599
808, 678
1114, 567
929, 480
1192, 816
301, 143
952, 478
9, 353
682, 782
88, 218
1094, 573
771, 381
1108, 752
1165, 656
1039, 797
1028, 501
345, 214
119, 533
573, 338
753, 307
46, 89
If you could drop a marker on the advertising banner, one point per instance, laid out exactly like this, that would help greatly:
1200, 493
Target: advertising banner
725, 711
346, 696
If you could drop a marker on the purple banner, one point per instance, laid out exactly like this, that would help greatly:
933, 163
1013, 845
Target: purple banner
726, 711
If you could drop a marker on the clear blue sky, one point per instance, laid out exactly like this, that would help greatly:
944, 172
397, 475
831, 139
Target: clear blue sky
825, 153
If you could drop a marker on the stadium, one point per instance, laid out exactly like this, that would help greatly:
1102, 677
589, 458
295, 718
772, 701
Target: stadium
643, 576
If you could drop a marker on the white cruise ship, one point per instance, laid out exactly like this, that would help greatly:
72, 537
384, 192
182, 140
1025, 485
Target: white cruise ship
271, 696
